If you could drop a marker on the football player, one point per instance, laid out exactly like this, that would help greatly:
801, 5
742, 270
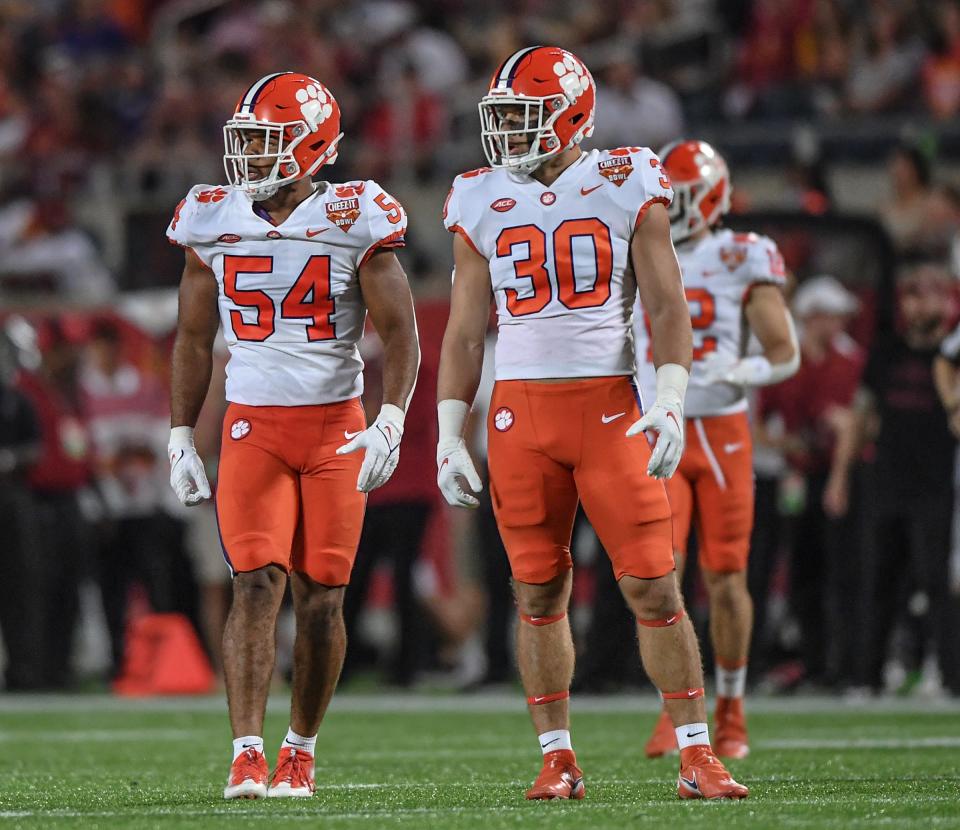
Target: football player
289, 267
562, 239
734, 286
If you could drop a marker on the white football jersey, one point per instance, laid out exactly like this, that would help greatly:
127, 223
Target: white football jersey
719, 271
290, 301
559, 259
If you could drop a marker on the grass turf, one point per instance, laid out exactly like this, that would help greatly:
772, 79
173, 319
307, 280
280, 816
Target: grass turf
464, 763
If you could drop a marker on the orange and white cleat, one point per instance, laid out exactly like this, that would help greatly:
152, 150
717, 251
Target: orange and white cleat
559, 778
248, 776
730, 728
663, 741
702, 775
293, 777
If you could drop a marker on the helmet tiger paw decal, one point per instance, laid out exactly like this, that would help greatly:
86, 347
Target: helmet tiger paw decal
573, 77
315, 106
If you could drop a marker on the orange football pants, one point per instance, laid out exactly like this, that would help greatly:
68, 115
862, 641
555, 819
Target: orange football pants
713, 488
284, 497
551, 444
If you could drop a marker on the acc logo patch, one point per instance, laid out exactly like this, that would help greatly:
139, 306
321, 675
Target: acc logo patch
344, 213
228, 237
503, 419
733, 258
239, 429
616, 170
503, 205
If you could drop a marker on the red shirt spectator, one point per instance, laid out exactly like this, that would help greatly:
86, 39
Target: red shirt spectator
64, 462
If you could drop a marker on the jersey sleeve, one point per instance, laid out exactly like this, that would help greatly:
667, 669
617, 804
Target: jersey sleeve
764, 264
456, 213
655, 187
186, 228
950, 347
184, 217
386, 221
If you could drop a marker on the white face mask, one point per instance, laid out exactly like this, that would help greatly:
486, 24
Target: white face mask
527, 121
276, 150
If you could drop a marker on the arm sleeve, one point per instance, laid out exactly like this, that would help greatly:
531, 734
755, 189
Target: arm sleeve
386, 221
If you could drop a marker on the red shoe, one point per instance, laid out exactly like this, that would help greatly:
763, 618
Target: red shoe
730, 728
293, 777
248, 776
663, 741
559, 778
703, 776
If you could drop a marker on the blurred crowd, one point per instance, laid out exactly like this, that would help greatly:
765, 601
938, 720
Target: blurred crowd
111, 109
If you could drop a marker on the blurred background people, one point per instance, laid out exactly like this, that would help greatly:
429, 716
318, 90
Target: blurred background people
912, 488
812, 408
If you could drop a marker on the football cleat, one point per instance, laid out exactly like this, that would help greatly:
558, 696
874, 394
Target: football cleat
730, 728
293, 777
663, 741
559, 778
702, 775
248, 776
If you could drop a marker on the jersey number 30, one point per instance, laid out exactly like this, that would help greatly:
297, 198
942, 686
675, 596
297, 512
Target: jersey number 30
534, 267
308, 298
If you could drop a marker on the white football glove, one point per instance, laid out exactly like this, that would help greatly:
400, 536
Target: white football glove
454, 466
381, 442
187, 476
665, 418
716, 368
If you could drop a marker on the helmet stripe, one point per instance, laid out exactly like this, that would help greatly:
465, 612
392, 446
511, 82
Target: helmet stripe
508, 70
246, 106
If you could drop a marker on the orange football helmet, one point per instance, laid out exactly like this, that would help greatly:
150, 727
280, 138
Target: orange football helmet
296, 121
552, 95
701, 186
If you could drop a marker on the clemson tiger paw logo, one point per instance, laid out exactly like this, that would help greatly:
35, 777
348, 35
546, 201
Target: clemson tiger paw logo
239, 429
503, 419
315, 106
573, 77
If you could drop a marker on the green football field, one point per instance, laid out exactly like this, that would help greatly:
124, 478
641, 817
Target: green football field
464, 762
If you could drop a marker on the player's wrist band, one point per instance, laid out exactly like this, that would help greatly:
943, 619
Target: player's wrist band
181, 437
392, 413
451, 418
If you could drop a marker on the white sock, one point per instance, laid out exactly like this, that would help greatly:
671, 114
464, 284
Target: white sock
557, 739
692, 734
241, 745
299, 742
731, 682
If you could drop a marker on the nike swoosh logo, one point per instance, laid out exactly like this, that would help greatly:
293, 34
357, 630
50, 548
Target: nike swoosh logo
694, 735
692, 783
690, 692
544, 746
585, 191
608, 418
311, 233
538, 698
729, 448
351, 435
247, 746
